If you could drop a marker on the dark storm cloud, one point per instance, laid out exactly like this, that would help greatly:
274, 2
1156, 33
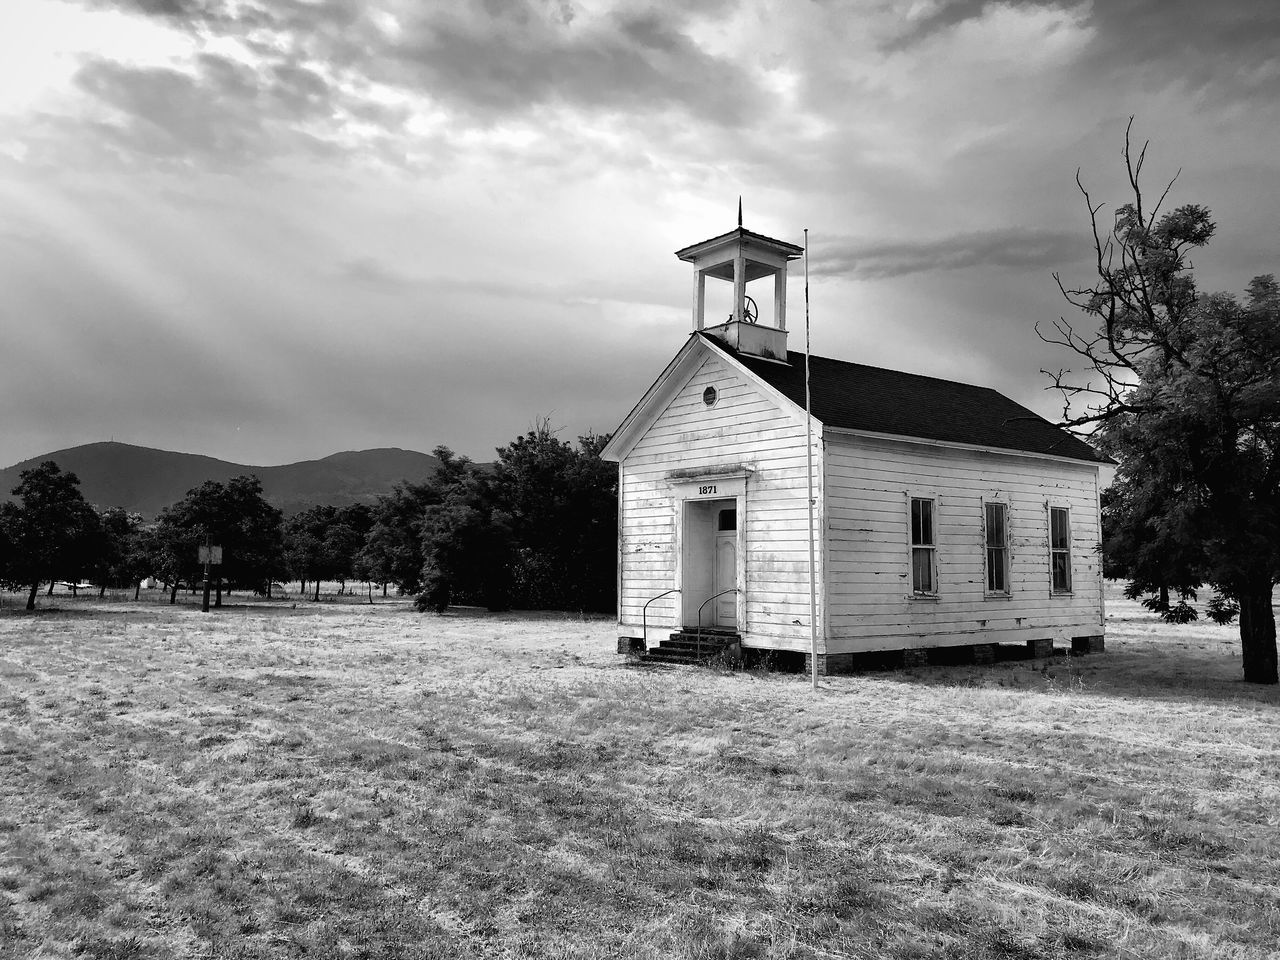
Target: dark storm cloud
1219, 49
224, 110
947, 15
1013, 247
525, 55
1223, 49
488, 60
170, 113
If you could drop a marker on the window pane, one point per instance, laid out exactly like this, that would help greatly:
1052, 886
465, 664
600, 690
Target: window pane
1060, 528
995, 571
922, 522
922, 570
995, 525
729, 519
1061, 570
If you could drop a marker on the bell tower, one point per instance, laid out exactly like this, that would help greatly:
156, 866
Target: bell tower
740, 257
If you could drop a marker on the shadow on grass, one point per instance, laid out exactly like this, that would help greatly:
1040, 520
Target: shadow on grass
518, 616
1164, 671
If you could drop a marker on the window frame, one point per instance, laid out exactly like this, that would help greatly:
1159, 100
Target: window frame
1007, 563
1066, 551
912, 546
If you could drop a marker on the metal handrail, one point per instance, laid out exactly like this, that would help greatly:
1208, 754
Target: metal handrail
704, 603
644, 614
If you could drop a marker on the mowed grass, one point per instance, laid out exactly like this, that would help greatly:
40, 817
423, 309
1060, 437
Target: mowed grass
347, 781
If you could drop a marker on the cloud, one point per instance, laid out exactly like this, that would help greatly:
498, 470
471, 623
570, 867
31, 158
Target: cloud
412, 85
1010, 247
508, 58
1213, 49
489, 59
166, 112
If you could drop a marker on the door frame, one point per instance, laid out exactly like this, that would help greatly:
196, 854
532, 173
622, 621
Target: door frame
688, 486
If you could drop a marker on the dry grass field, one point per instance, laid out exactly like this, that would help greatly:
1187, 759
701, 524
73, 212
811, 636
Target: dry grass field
338, 780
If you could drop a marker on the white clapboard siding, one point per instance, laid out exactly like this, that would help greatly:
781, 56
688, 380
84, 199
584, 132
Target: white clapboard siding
869, 482
745, 426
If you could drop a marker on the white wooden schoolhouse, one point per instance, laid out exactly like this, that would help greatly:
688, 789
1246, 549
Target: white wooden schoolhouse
945, 514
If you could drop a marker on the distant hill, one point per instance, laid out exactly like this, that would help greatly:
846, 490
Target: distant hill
146, 480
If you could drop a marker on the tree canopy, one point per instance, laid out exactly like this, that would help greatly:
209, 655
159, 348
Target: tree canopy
1182, 388
538, 530
52, 532
233, 515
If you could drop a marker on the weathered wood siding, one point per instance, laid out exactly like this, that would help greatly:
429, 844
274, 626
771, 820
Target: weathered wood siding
870, 605
744, 427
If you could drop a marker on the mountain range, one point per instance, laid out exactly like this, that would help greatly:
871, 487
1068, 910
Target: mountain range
146, 480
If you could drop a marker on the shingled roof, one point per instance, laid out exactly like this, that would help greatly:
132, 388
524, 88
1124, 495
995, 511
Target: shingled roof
853, 396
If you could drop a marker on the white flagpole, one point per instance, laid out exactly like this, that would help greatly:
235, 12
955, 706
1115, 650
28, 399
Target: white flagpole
808, 450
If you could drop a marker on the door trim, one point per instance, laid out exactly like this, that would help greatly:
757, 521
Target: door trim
740, 575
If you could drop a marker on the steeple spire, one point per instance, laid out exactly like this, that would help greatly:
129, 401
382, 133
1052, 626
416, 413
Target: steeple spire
739, 209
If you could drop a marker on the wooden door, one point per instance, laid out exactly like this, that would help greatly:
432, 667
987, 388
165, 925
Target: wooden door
726, 573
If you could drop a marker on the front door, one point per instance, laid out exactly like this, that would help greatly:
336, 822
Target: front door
726, 568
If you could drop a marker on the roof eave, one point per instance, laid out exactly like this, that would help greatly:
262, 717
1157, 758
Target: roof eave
788, 250
1100, 460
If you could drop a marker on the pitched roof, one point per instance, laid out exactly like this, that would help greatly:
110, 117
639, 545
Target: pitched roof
853, 396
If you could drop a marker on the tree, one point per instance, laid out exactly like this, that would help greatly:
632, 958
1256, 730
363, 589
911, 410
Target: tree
343, 540
561, 505
234, 516
466, 542
392, 550
306, 554
52, 532
1184, 391
120, 562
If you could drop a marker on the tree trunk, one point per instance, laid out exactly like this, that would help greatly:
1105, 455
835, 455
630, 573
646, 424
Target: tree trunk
31, 597
1164, 599
317, 598
268, 588
302, 586
1258, 635
173, 592
50, 593
384, 590
102, 590
137, 589
218, 595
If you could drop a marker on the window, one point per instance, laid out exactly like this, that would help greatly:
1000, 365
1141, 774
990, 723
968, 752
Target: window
1060, 548
728, 519
923, 547
709, 396
997, 535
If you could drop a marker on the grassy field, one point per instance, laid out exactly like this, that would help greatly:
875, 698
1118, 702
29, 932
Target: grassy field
338, 780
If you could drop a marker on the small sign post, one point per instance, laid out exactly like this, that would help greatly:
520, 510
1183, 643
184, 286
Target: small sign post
207, 555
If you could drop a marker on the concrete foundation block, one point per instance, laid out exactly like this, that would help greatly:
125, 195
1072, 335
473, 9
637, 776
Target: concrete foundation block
830, 663
631, 645
984, 652
1083, 645
915, 658
1040, 648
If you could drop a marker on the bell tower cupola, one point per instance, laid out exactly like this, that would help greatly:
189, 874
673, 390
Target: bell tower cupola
740, 257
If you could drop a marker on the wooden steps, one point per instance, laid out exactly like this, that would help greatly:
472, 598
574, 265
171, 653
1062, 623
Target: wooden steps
687, 647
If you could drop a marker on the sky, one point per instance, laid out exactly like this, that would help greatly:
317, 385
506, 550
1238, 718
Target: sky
271, 230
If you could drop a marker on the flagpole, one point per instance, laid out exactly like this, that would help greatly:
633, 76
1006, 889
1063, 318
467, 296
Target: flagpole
808, 451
